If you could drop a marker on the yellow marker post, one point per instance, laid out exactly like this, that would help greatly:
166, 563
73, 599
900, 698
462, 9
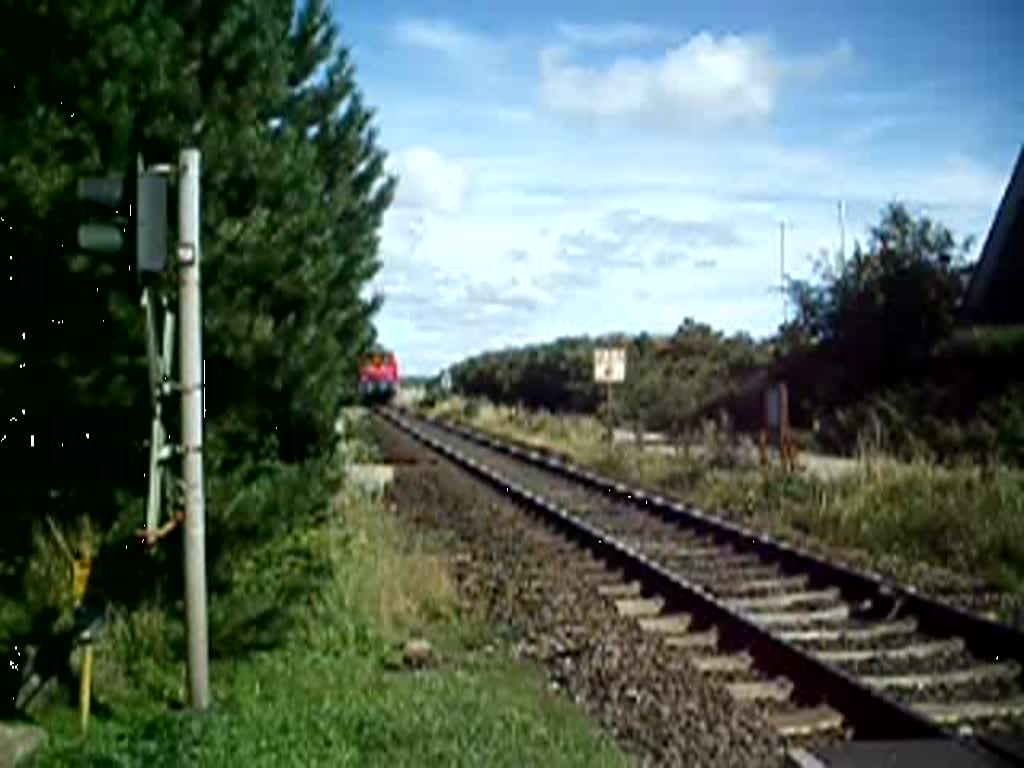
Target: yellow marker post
85, 687
80, 570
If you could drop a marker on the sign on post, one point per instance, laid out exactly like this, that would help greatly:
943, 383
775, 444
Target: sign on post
610, 368
609, 364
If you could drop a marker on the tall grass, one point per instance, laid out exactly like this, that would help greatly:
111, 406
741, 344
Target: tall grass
380, 574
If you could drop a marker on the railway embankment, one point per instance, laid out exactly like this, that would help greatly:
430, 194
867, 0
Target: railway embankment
955, 532
339, 640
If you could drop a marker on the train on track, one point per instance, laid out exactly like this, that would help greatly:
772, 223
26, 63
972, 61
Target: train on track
378, 378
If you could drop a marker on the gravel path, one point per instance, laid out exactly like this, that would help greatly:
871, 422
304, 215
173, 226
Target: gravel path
524, 576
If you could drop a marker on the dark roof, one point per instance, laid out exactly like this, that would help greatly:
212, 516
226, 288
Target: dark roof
997, 282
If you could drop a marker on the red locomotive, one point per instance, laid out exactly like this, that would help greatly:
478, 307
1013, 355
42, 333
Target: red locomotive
378, 377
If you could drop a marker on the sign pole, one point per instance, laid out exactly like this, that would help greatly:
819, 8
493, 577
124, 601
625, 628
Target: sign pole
611, 422
609, 368
190, 341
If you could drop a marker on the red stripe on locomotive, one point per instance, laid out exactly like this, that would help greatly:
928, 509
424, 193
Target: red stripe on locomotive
379, 368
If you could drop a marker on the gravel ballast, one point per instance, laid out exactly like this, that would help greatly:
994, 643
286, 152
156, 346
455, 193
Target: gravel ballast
524, 577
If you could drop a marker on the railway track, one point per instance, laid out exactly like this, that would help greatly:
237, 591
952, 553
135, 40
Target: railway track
825, 652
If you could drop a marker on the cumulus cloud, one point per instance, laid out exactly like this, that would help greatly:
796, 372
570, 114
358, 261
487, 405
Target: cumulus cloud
669, 258
441, 36
429, 181
631, 239
429, 298
515, 295
706, 80
635, 224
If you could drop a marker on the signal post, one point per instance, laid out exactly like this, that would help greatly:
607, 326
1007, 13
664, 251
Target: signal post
125, 217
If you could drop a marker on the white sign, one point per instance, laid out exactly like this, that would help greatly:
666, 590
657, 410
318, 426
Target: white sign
609, 364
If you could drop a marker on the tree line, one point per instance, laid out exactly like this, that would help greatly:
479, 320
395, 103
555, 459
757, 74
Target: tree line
873, 347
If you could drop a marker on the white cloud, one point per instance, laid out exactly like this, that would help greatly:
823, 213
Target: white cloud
427, 180
442, 36
720, 80
706, 80
611, 34
694, 231
577, 231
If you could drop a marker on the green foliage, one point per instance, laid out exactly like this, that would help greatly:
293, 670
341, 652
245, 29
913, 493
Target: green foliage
666, 377
328, 697
293, 191
888, 306
896, 297
889, 367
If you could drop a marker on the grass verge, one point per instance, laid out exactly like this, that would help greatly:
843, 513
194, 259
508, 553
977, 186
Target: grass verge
331, 690
966, 519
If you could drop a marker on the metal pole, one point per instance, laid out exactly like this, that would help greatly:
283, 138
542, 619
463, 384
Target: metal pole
190, 341
782, 266
611, 420
842, 235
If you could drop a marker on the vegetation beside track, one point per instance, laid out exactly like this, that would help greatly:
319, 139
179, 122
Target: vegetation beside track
294, 191
968, 520
307, 665
873, 355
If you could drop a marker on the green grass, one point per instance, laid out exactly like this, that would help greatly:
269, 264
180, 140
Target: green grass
963, 520
969, 520
333, 692
338, 706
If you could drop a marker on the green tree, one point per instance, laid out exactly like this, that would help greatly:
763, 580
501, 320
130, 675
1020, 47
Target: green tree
292, 197
892, 302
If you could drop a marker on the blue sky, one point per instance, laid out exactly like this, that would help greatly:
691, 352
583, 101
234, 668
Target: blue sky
582, 167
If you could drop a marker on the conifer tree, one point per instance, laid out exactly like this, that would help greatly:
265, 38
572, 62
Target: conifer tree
293, 191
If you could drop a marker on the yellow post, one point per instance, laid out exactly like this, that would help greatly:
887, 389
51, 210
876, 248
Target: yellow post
85, 687
80, 570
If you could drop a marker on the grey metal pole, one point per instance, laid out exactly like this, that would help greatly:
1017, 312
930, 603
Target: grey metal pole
842, 235
190, 342
782, 266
